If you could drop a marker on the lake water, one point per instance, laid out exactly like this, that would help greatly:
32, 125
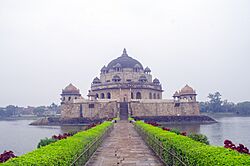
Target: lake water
20, 137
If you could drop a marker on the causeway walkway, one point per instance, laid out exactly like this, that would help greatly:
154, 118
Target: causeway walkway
124, 147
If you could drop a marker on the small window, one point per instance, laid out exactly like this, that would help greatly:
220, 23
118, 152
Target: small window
102, 96
108, 81
150, 95
108, 95
138, 95
128, 80
69, 98
132, 95
75, 97
91, 105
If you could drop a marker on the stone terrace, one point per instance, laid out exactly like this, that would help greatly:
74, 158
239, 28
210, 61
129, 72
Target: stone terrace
124, 147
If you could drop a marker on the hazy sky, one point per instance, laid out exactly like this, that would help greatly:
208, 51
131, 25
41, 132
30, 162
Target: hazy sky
47, 44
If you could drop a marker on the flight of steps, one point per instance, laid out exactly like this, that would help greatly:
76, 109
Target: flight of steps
123, 110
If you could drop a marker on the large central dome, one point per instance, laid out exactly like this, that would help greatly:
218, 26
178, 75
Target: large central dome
124, 61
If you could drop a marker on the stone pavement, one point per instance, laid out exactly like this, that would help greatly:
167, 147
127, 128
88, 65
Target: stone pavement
124, 147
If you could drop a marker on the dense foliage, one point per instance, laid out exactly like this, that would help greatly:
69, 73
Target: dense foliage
62, 152
45, 142
6, 155
15, 111
199, 137
217, 105
191, 152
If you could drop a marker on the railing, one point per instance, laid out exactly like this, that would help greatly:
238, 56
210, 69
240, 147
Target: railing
167, 156
91, 148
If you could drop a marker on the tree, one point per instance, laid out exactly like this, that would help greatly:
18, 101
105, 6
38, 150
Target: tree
243, 108
215, 103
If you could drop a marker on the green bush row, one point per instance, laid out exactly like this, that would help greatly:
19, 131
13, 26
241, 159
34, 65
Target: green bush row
62, 152
190, 152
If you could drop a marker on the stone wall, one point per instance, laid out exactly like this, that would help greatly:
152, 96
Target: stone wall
162, 108
98, 109
90, 109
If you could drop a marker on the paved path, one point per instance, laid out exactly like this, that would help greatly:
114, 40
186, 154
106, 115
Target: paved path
124, 147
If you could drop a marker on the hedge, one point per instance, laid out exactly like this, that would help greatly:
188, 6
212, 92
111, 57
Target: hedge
60, 153
191, 152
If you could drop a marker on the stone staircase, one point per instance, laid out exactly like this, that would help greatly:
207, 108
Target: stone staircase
123, 110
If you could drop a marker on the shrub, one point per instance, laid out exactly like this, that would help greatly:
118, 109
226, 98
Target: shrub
199, 137
189, 151
176, 131
6, 155
62, 152
241, 148
45, 141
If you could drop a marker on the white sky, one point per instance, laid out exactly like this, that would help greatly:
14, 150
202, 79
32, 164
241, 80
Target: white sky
47, 44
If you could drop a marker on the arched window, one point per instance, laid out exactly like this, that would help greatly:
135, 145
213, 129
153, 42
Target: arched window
158, 96
63, 98
138, 95
75, 97
69, 98
150, 95
154, 96
132, 95
102, 96
97, 96
108, 95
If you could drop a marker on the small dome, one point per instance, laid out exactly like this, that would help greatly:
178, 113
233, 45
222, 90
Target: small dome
176, 94
70, 89
125, 61
104, 68
147, 70
143, 78
187, 90
91, 94
156, 81
96, 80
116, 78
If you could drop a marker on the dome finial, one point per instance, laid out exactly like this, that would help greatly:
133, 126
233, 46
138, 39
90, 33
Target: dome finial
124, 52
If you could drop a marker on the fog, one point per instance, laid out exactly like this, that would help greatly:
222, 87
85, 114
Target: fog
45, 45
